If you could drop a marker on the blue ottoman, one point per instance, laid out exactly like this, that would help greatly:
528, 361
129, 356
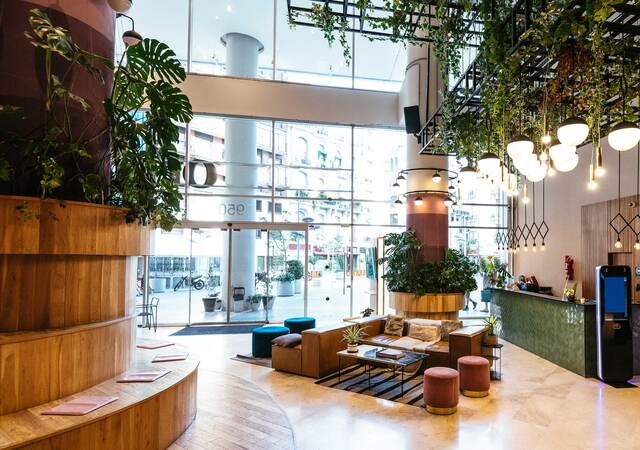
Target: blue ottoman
261, 340
299, 324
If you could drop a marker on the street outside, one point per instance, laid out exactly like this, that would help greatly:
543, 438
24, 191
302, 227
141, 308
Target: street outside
328, 302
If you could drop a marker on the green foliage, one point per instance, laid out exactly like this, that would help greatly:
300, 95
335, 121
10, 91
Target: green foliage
138, 170
494, 272
143, 152
284, 277
405, 272
295, 268
491, 323
353, 334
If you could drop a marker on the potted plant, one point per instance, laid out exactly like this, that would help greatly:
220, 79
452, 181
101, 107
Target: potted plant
210, 301
286, 286
254, 301
265, 288
494, 275
352, 336
423, 288
491, 322
296, 268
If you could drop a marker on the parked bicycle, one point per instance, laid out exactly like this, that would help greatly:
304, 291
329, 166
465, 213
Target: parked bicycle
187, 281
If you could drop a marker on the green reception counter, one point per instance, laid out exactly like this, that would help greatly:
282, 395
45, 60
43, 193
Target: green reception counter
557, 330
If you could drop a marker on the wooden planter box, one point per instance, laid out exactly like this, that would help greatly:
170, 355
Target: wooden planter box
428, 306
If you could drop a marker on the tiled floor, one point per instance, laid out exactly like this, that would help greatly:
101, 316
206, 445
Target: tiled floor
537, 405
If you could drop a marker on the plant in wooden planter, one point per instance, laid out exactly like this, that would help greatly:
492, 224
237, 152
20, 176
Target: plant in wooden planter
57, 157
424, 288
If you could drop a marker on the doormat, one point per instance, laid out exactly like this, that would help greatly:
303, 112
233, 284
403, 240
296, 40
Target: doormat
218, 329
249, 358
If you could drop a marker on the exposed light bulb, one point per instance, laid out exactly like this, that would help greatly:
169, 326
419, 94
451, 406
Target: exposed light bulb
526, 249
543, 247
551, 172
637, 245
599, 172
533, 248
618, 244
546, 139
592, 185
525, 200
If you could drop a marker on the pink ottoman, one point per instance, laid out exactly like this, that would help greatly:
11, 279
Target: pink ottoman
441, 388
474, 376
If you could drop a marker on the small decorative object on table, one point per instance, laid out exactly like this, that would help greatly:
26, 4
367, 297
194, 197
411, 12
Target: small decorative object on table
491, 322
352, 336
390, 353
367, 312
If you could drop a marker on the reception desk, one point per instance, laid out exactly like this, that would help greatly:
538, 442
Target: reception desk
557, 330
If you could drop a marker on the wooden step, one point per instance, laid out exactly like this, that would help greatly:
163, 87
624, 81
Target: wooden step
145, 416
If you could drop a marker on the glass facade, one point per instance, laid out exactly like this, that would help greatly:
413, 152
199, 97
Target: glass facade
332, 180
195, 30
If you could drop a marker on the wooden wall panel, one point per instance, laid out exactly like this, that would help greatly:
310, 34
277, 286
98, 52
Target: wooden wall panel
598, 239
33, 226
40, 366
51, 291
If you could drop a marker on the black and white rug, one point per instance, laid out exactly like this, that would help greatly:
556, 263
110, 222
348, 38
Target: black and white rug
384, 384
250, 359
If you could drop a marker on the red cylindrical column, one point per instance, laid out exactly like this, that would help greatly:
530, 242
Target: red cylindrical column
91, 24
430, 221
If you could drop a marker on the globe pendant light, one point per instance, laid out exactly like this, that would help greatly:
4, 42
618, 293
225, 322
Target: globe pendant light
448, 202
436, 178
561, 152
468, 174
131, 37
538, 172
488, 162
573, 131
418, 201
519, 147
120, 6
624, 136
567, 165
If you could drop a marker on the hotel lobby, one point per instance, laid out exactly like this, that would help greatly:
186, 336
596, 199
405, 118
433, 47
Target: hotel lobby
319, 224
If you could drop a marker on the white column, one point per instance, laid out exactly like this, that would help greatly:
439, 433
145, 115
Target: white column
240, 149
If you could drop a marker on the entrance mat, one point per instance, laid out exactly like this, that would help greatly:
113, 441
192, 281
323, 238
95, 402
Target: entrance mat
218, 329
384, 384
249, 358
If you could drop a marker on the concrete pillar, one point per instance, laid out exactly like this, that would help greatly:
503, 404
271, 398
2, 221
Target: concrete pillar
240, 148
430, 220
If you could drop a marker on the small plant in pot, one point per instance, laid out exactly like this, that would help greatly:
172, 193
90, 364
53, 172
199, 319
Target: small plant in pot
352, 336
296, 268
254, 301
286, 287
265, 287
491, 322
210, 300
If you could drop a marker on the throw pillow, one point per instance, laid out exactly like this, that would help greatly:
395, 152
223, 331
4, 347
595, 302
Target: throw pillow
287, 340
394, 325
449, 326
426, 333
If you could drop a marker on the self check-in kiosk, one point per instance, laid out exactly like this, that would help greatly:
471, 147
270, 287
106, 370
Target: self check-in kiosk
613, 323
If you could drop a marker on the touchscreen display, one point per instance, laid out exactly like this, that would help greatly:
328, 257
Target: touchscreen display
615, 294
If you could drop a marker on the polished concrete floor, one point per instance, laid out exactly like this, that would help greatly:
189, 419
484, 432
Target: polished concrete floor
537, 405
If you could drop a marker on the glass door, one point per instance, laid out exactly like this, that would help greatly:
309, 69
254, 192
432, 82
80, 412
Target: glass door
208, 301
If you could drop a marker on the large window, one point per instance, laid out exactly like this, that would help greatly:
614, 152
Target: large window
269, 48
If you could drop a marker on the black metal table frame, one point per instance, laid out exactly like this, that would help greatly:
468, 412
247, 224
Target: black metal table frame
368, 364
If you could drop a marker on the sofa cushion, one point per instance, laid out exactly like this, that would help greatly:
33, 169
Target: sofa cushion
394, 325
432, 347
383, 340
288, 340
405, 343
425, 333
449, 326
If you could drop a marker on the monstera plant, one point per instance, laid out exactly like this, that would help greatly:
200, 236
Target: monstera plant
138, 165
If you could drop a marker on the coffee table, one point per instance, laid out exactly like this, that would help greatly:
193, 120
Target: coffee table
367, 356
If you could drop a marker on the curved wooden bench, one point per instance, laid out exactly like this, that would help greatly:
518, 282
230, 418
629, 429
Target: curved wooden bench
145, 416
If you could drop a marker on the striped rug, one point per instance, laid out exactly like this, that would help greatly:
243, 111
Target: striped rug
383, 384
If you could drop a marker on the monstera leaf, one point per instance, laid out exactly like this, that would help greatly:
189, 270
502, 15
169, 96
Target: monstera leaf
151, 59
168, 100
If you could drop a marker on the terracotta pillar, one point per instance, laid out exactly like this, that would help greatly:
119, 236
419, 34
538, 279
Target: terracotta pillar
22, 80
429, 220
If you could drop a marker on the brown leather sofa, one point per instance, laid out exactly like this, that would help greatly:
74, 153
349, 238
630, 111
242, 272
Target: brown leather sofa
316, 356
